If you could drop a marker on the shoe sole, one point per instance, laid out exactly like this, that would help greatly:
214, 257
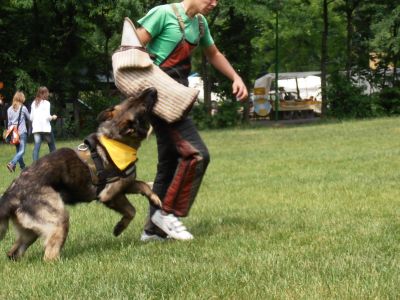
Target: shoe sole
152, 238
170, 233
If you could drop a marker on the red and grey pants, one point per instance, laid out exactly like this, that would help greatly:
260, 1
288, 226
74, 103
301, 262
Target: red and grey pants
182, 162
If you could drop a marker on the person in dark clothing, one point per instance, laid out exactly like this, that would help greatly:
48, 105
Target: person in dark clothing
3, 113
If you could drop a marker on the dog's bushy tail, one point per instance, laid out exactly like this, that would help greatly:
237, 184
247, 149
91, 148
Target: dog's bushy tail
3, 220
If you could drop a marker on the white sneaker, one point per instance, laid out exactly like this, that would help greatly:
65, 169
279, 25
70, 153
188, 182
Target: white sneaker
171, 226
146, 237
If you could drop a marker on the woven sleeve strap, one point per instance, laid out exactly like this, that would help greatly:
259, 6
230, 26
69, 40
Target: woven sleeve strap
179, 17
201, 25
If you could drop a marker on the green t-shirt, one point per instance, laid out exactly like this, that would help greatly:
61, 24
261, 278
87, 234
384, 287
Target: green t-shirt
162, 24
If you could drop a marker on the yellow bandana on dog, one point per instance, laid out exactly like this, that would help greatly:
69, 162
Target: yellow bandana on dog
121, 154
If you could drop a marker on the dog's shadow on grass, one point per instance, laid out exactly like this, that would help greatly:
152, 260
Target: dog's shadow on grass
92, 243
101, 244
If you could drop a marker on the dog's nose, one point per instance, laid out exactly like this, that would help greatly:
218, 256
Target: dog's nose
151, 98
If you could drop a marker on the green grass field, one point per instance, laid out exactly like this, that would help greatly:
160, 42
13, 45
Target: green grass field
306, 212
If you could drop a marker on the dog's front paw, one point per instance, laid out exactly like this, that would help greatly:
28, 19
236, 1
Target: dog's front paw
12, 256
155, 199
119, 227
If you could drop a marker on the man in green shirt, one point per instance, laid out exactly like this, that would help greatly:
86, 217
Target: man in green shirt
171, 33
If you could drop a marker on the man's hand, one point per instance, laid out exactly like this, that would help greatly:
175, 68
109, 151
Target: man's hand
239, 89
219, 61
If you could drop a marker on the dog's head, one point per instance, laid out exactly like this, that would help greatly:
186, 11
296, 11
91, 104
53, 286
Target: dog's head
128, 122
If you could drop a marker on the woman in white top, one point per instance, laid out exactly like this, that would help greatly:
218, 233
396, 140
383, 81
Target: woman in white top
40, 117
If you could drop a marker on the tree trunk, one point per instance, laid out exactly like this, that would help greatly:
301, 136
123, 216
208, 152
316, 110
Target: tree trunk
76, 117
204, 69
349, 19
351, 6
395, 57
206, 83
37, 28
324, 58
246, 111
106, 59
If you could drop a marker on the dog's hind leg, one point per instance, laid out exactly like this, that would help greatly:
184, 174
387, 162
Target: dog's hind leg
22, 244
48, 218
25, 238
121, 204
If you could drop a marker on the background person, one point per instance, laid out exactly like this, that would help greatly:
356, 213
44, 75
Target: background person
171, 33
3, 113
40, 117
18, 111
282, 93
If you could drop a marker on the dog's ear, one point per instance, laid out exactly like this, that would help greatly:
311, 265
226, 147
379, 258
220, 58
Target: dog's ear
106, 114
149, 98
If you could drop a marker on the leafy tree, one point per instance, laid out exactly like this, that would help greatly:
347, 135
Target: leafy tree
67, 45
386, 41
349, 7
228, 20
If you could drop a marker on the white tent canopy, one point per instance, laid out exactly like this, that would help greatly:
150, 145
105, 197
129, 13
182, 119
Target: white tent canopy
308, 83
309, 86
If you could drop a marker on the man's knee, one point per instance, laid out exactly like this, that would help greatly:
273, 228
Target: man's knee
204, 157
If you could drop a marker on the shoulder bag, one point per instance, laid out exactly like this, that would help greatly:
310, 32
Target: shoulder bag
11, 135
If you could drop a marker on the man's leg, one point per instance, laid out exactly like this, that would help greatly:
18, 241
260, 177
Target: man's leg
183, 159
192, 164
166, 166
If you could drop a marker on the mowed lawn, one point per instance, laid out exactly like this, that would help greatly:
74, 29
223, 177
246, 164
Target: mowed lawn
295, 212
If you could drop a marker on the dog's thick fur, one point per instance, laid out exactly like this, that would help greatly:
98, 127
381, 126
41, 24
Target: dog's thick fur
35, 201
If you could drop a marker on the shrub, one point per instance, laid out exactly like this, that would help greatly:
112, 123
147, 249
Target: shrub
389, 100
345, 100
226, 116
97, 101
200, 116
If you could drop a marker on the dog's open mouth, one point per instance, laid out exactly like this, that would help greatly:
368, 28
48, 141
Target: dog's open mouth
137, 128
140, 133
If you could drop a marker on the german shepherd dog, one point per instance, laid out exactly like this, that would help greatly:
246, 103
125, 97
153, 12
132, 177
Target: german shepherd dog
35, 201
